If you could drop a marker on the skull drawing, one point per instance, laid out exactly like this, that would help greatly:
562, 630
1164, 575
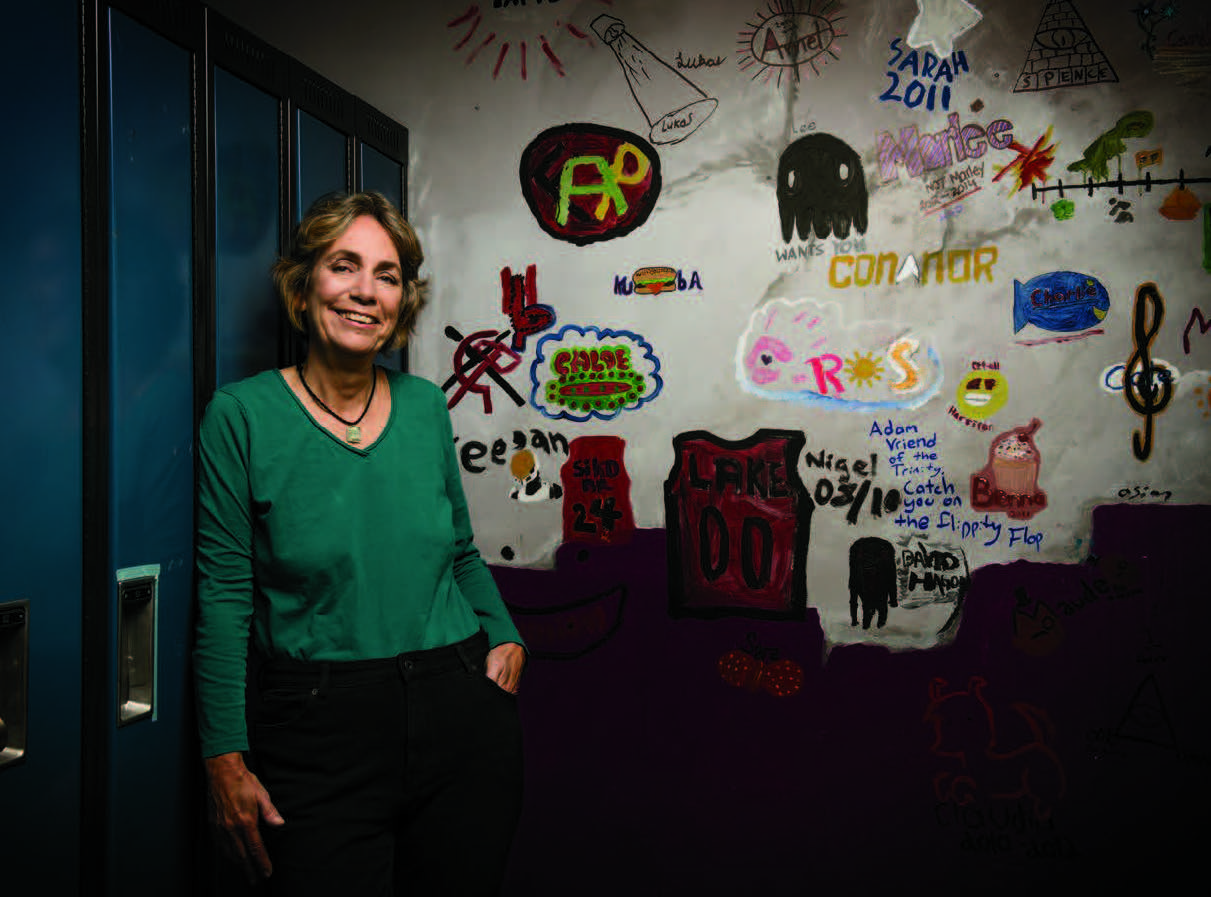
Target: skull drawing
821, 187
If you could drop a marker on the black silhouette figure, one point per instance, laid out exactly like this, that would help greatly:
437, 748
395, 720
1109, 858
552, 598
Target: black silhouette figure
872, 579
821, 187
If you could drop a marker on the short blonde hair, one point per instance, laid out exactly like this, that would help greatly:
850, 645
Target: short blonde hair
327, 219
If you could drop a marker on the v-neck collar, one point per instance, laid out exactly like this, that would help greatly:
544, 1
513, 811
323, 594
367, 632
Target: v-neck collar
357, 450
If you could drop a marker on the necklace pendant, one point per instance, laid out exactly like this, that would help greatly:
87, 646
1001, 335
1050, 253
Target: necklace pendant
353, 434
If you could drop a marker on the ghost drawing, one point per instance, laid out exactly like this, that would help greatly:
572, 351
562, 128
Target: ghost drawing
872, 580
821, 187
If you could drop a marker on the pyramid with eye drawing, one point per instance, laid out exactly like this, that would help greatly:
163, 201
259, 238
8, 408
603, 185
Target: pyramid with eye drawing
1063, 53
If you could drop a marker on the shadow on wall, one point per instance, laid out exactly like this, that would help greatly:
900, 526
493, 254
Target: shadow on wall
1061, 739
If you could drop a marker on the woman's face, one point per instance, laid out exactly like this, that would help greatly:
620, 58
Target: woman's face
353, 301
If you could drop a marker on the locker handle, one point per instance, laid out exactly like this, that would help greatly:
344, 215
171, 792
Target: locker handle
138, 589
14, 680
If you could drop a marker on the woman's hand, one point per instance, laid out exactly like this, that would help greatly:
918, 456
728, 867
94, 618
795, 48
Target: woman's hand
504, 665
238, 802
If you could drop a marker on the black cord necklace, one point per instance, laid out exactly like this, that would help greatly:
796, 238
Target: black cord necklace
353, 433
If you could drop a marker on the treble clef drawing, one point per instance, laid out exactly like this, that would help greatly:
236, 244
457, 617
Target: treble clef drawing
1147, 388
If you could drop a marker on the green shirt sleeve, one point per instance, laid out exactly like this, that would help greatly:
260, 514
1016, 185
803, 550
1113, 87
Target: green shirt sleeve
470, 571
225, 576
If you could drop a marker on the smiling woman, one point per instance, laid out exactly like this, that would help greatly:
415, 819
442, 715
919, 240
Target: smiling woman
340, 540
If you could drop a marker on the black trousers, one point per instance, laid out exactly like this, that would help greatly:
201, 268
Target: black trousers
395, 777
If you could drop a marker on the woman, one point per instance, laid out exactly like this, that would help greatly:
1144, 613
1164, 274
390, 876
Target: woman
384, 746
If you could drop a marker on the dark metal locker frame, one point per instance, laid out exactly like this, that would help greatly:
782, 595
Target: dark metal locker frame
212, 40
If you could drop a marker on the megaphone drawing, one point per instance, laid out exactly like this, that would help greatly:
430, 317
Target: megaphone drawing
674, 107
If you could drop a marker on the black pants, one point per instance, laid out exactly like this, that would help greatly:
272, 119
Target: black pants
395, 777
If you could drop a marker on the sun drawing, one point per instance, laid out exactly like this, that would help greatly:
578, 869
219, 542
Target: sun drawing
794, 34
505, 39
863, 370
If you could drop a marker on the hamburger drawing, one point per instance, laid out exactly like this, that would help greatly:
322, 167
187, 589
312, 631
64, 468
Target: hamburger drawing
657, 279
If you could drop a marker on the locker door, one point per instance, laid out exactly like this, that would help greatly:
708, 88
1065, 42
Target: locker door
319, 162
246, 204
40, 455
381, 173
153, 768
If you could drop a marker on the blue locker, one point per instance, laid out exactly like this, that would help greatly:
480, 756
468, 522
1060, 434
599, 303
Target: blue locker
41, 453
246, 203
319, 162
153, 769
381, 173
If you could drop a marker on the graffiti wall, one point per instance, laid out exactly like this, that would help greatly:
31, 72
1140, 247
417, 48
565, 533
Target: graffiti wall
776, 336
956, 244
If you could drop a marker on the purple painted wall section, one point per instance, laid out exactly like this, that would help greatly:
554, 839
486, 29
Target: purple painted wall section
649, 774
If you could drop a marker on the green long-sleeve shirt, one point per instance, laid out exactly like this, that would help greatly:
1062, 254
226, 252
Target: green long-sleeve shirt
328, 551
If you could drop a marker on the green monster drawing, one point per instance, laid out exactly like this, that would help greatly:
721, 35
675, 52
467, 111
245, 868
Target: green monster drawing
1095, 161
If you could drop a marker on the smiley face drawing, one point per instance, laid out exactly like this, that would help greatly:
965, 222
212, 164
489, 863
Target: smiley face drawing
981, 393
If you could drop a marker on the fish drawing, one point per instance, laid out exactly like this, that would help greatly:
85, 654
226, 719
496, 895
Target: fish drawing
1063, 301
